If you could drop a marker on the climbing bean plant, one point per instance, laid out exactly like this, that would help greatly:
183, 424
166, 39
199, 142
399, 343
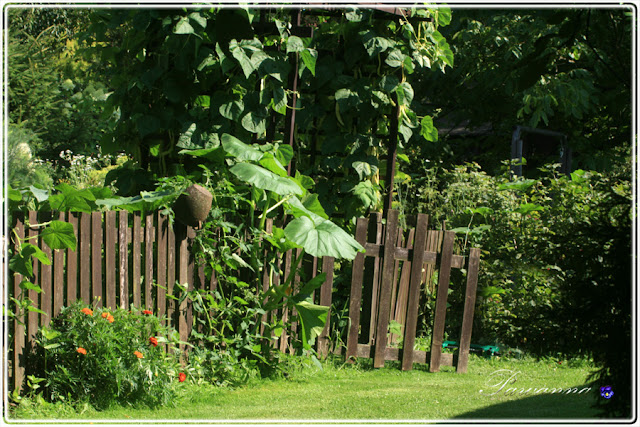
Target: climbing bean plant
183, 78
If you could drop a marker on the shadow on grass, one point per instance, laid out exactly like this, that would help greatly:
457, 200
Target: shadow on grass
557, 406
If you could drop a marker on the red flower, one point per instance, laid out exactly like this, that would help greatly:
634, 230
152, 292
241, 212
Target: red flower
153, 341
81, 350
182, 376
147, 312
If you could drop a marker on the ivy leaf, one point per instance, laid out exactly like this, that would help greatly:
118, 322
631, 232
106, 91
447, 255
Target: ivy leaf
427, 130
322, 238
294, 44
59, 235
265, 179
309, 57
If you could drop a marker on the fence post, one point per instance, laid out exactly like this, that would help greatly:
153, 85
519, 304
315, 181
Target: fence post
469, 307
325, 300
413, 298
385, 288
96, 257
441, 301
356, 292
18, 324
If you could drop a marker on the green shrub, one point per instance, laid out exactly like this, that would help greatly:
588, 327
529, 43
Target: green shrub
107, 356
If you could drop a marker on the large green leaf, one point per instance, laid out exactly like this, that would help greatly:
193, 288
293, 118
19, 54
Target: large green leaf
238, 149
59, 235
427, 130
309, 57
294, 44
71, 199
232, 110
373, 44
322, 238
312, 320
309, 206
40, 195
255, 121
145, 202
265, 179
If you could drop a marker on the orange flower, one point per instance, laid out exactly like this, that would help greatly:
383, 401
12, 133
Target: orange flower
138, 354
110, 319
153, 341
147, 312
87, 311
105, 315
81, 350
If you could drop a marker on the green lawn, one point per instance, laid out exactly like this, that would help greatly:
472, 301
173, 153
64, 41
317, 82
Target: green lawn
344, 392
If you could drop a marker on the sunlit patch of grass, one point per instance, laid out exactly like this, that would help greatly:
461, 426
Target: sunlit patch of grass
358, 392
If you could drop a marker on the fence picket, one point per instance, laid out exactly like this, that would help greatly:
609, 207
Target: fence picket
136, 258
355, 296
162, 265
96, 257
85, 256
18, 324
58, 276
110, 258
148, 260
32, 316
46, 272
469, 306
325, 300
123, 256
441, 301
385, 288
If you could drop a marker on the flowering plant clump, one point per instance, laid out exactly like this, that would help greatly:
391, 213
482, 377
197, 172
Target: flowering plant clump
110, 357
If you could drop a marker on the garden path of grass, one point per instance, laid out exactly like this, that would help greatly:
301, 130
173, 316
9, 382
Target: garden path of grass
347, 393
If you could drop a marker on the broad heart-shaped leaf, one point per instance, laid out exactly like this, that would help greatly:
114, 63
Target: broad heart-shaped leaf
21, 261
294, 44
255, 121
71, 199
279, 241
269, 162
264, 179
238, 149
427, 130
309, 206
284, 154
373, 44
214, 155
312, 320
145, 202
395, 58
366, 167
528, 208
59, 235
232, 110
405, 93
309, 57
183, 26
322, 238
40, 195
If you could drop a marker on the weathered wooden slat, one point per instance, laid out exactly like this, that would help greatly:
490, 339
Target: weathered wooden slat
413, 297
136, 259
191, 234
371, 281
355, 296
96, 257
110, 258
419, 356
19, 321
85, 256
400, 243
400, 309
171, 273
469, 307
385, 289
148, 261
58, 276
46, 279
441, 301
162, 264
284, 342
123, 256
325, 300
183, 274
32, 316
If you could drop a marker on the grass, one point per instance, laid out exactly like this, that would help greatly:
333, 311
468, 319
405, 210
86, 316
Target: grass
347, 392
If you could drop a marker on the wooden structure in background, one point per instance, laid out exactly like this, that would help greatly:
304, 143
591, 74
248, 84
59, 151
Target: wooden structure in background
377, 296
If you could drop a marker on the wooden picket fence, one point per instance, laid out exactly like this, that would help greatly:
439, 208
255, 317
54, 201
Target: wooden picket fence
119, 259
382, 291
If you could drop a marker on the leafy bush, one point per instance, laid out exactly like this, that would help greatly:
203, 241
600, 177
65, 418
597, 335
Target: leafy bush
106, 356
